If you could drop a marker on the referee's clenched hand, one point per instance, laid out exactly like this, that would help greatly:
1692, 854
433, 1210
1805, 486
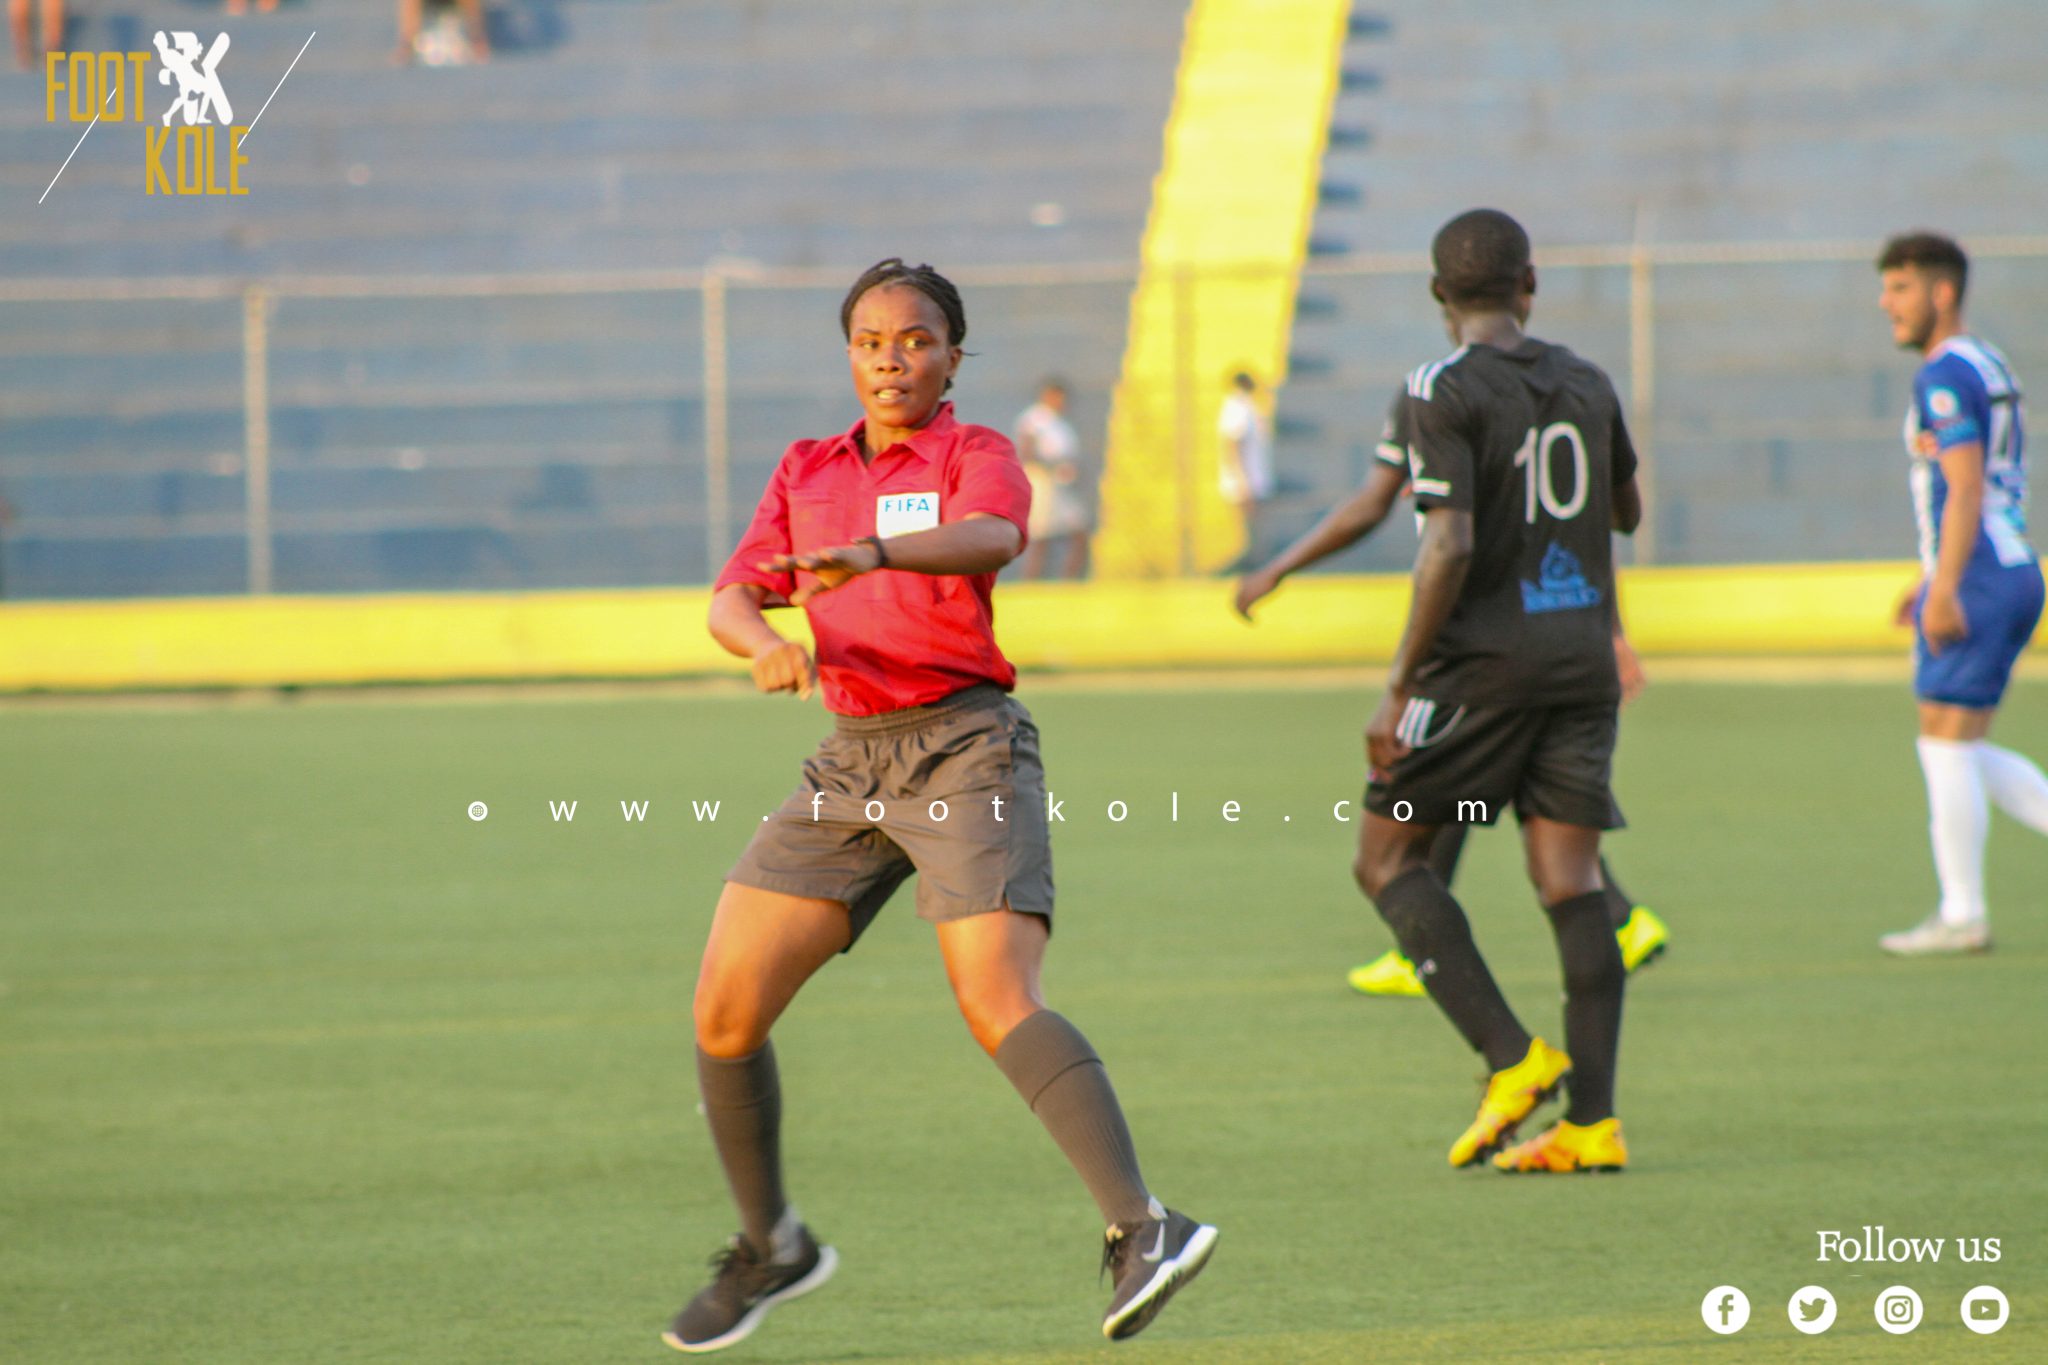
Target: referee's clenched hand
785, 666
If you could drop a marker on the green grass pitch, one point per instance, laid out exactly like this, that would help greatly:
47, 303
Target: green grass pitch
299, 1063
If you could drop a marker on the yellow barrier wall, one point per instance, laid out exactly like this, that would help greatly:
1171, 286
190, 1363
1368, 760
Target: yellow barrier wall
227, 642
1219, 266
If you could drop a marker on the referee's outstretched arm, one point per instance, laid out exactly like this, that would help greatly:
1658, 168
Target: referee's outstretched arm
978, 543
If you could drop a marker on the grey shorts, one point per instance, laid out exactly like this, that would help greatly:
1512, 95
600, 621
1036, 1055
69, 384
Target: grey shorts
952, 791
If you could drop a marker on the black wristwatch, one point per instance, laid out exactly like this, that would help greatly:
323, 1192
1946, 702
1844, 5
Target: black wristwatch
881, 551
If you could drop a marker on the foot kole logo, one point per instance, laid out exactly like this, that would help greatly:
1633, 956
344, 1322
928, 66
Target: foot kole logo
193, 146
183, 152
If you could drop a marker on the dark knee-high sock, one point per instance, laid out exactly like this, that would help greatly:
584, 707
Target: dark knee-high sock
743, 1101
1619, 906
1434, 934
1593, 985
1065, 1084
1445, 850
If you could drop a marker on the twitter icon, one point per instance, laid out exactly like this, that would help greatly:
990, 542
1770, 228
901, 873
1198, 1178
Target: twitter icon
1812, 1310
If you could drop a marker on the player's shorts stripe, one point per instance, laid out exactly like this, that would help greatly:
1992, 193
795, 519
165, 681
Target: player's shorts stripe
1415, 721
1423, 738
1406, 726
1433, 487
1389, 453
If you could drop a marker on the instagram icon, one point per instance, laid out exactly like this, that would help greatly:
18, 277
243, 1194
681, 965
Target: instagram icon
1898, 1310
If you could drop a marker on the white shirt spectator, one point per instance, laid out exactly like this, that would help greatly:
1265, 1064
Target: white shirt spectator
1051, 450
1249, 478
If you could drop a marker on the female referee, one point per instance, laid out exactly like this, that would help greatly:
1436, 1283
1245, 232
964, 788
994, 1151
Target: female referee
889, 536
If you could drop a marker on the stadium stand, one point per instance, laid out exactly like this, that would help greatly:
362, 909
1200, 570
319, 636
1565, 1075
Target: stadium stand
1778, 399
557, 441
551, 441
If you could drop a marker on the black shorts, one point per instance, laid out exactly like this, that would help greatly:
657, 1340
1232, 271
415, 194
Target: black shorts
952, 791
1467, 763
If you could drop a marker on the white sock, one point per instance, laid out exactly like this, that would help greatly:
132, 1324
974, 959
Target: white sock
1959, 821
2015, 784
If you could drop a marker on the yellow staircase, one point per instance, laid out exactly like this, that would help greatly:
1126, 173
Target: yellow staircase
1220, 265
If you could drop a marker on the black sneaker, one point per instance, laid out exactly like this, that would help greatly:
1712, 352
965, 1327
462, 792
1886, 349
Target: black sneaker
727, 1310
1150, 1259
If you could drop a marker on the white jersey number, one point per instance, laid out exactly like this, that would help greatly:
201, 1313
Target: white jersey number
1536, 458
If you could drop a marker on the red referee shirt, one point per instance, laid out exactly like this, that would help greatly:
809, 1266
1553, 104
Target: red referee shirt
887, 640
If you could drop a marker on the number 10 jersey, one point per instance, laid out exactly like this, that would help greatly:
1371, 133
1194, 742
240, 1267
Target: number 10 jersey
1531, 442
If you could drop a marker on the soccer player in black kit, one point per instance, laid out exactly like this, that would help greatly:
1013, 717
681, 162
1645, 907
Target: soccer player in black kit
1504, 690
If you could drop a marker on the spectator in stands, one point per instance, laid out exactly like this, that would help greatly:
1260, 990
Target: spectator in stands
1245, 469
473, 44
1051, 452
242, 6
26, 49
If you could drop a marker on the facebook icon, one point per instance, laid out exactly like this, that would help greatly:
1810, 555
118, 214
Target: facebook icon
1725, 1309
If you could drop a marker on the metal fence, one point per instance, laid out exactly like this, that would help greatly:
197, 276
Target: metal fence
319, 434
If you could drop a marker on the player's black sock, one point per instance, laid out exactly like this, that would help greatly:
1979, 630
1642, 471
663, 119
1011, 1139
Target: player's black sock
1593, 983
1445, 850
1066, 1085
743, 1101
1619, 906
1435, 936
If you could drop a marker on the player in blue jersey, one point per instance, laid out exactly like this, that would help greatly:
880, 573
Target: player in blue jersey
1980, 590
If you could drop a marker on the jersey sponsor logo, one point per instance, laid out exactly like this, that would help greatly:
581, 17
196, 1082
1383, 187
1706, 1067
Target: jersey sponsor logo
1942, 403
1560, 584
898, 514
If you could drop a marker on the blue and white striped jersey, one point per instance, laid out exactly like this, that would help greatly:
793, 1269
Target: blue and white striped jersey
1966, 394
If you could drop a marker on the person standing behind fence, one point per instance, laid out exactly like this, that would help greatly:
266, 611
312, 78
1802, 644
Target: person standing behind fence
1051, 451
1245, 467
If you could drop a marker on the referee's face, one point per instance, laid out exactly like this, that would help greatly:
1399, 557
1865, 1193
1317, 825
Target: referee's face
902, 357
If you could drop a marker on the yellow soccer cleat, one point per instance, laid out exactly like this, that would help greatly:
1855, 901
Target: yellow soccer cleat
1566, 1148
1510, 1095
1387, 974
1642, 937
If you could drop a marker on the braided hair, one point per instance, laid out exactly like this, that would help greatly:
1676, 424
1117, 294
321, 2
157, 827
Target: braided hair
924, 280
